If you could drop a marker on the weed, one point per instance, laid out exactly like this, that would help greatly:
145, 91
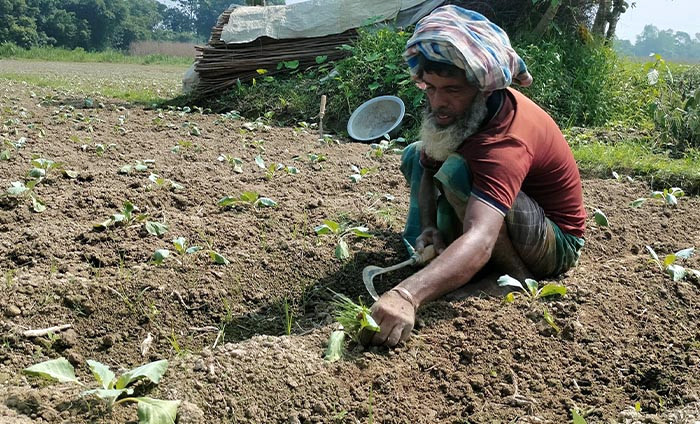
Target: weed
288, 317
113, 390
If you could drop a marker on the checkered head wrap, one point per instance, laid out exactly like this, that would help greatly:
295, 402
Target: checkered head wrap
466, 39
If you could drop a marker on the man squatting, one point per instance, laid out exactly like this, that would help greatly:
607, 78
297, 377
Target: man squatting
493, 179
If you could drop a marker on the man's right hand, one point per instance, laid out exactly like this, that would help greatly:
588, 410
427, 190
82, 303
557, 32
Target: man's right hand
430, 235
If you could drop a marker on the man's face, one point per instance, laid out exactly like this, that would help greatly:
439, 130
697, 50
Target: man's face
449, 97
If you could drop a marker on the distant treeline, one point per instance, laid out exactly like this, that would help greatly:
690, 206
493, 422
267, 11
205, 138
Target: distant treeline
675, 46
108, 24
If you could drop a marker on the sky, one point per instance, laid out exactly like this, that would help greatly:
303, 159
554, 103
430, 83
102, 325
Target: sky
678, 15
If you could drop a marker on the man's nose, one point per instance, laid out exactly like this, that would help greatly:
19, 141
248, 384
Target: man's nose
439, 100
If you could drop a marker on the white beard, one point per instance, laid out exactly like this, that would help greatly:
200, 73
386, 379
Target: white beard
439, 142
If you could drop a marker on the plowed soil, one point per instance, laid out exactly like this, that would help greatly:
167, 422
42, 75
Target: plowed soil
628, 333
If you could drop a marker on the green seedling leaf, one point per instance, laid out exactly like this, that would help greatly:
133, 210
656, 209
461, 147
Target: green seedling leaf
249, 196
126, 169
510, 298
152, 371
140, 167
55, 369
226, 201
332, 225
70, 174
336, 346
217, 258
600, 218
292, 170
102, 373
159, 256
193, 249
676, 272
669, 259
342, 251
653, 254
355, 178
685, 253
156, 228
5, 154
637, 203
323, 229
577, 419
180, 244
38, 205
638, 407
367, 322
551, 290
531, 286
550, 320
321, 59
361, 232
260, 162
36, 173
156, 411
670, 199
17, 188
108, 395
507, 280
267, 202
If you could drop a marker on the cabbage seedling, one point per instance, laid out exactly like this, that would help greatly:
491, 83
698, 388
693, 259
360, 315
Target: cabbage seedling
181, 248
113, 390
19, 190
675, 271
340, 232
165, 183
236, 163
669, 195
387, 145
359, 173
124, 217
247, 197
41, 168
532, 290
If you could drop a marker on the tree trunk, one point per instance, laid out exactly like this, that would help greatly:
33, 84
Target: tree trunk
619, 7
546, 19
601, 18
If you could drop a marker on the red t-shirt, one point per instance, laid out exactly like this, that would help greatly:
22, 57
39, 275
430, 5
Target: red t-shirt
522, 148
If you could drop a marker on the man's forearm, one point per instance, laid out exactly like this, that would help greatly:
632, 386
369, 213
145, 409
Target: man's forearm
450, 270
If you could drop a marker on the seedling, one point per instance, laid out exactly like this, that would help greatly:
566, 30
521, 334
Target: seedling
113, 390
669, 195
236, 163
387, 145
353, 319
163, 183
247, 197
41, 168
669, 265
139, 166
101, 149
341, 231
181, 249
123, 217
185, 146
5, 154
359, 173
156, 228
19, 190
317, 158
531, 290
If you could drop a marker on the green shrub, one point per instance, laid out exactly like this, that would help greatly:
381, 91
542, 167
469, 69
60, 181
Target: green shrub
676, 109
572, 80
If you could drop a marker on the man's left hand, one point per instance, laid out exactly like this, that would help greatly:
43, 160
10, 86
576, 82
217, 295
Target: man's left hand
395, 317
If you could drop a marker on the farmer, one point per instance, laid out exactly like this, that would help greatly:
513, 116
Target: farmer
493, 179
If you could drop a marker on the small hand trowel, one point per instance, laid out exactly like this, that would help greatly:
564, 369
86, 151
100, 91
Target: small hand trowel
372, 271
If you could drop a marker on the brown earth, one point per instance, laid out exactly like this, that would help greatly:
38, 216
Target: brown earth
628, 332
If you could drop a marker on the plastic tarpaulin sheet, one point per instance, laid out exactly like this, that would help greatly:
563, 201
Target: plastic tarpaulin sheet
314, 18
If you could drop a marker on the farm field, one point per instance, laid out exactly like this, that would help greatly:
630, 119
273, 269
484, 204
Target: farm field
244, 321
